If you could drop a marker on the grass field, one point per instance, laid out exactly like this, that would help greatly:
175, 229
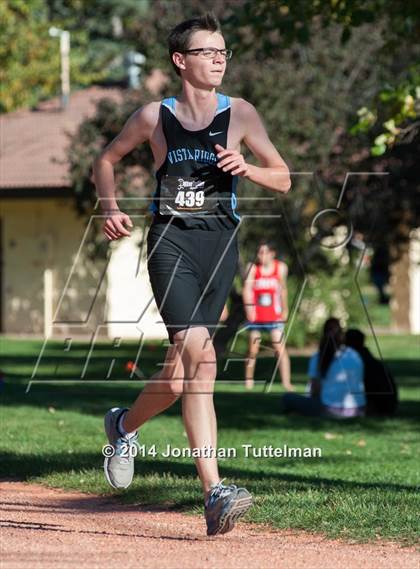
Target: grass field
365, 485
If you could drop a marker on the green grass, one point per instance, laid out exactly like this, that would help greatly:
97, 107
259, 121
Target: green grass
364, 486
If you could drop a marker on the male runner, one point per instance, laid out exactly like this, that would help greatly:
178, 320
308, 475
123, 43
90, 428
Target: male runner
265, 300
192, 245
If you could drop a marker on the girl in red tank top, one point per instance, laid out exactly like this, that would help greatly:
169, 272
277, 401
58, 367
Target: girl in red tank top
265, 302
266, 293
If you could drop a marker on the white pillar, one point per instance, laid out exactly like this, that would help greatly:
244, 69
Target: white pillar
65, 66
129, 294
414, 278
48, 302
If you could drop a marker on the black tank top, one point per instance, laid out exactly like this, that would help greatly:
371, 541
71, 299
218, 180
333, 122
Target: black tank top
192, 192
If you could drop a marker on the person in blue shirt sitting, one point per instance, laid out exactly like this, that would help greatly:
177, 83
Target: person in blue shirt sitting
336, 379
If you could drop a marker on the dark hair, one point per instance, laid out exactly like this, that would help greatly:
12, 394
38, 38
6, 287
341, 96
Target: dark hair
179, 37
268, 244
332, 338
355, 339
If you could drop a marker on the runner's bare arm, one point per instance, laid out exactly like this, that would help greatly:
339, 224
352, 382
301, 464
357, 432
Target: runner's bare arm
273, 173
137, 129
283, 290
247, 296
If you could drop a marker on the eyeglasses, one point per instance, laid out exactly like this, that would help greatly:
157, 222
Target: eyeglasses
210, 52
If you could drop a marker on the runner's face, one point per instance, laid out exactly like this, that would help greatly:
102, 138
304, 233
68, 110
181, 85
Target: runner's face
265, 255
200, 71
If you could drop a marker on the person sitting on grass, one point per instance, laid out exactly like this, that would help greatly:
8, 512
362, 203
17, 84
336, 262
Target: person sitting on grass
336, 379
380, 387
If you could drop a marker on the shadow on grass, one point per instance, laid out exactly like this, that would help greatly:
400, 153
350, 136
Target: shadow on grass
245, 411
69, 365
27, 467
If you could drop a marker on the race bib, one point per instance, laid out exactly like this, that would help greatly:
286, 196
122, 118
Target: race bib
265, 299
186, 195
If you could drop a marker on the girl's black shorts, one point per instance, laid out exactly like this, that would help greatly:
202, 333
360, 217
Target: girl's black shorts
191, 272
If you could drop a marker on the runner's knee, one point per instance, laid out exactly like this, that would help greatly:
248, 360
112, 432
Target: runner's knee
253, 350
171, 376
201, 364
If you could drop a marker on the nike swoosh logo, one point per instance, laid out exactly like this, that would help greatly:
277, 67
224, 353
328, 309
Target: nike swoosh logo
214, 133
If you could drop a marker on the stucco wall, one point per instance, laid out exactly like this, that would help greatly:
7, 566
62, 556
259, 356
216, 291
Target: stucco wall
44, 234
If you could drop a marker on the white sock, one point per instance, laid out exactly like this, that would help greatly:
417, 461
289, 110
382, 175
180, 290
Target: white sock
121, 428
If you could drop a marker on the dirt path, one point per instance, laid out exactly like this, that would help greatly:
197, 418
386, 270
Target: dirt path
45, 528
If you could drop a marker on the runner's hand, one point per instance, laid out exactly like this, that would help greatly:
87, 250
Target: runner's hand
114, 225
231, 161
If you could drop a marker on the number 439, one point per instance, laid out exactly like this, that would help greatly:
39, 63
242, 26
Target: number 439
190, 198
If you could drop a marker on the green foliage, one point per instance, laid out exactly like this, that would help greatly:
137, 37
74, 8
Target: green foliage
321, 295
27, 54
273, 25
267, 27
401, 102
30, 58
307, 113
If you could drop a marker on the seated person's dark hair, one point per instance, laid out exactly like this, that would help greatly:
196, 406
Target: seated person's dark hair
332, 338
380, 387
355, 339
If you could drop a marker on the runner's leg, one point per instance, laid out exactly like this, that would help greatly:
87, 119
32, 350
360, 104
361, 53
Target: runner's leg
282, 357
200, 368
253, 349
161, 391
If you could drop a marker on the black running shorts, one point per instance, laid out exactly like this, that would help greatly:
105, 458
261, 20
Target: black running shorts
191, 273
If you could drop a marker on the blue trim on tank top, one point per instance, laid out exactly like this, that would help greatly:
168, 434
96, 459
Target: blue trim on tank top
233, 199
223, 103
169, 103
